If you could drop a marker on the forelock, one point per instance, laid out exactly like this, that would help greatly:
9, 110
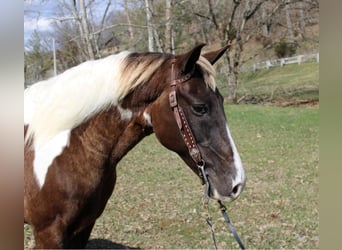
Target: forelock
208, 72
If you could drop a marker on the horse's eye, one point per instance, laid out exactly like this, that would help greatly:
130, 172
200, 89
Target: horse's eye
200, 109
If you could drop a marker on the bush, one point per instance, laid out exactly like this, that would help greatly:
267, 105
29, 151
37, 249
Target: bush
285, 49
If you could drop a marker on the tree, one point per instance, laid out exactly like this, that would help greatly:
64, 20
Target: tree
169, 41
290, 36
302, 19
149, 24
265, 25
85, 31
130, 27
38, 60
84, 28
229, 22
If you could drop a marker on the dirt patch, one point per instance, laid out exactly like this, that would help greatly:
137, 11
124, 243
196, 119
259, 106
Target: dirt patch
281, 102
295, 102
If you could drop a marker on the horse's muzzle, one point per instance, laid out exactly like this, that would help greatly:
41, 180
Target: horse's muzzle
230, 195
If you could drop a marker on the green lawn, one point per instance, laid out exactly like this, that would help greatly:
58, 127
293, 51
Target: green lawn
157, 199
290, 81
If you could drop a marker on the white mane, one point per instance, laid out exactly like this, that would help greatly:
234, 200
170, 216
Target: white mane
65, 101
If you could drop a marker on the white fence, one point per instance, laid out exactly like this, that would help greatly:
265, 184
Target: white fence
283, 61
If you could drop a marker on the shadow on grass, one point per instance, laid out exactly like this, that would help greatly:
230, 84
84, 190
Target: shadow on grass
106, 244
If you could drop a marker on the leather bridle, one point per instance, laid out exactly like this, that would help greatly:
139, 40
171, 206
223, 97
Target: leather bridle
193, 149
183, 124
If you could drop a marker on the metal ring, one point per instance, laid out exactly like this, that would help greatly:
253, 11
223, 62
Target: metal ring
201, 164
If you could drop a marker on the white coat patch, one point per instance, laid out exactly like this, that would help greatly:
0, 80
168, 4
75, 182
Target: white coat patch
45, 155
147, 118
125, 114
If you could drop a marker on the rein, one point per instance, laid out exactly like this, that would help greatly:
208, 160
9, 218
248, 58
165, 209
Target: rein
193, 149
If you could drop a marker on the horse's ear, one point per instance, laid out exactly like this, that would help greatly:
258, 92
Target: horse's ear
189, 59
213, 56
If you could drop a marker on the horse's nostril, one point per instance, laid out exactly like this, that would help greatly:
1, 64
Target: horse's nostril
236, 189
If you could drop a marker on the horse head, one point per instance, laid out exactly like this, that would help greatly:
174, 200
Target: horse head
202, 105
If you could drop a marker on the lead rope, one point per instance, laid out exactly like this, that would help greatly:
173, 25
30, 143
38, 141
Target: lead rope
210, 224
222, 207
205, 200
230, 225
228, 222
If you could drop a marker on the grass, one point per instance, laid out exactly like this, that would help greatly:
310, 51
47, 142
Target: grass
290, 81
281, 158
157, 200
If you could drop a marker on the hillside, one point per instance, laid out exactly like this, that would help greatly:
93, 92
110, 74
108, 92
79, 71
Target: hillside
295, 83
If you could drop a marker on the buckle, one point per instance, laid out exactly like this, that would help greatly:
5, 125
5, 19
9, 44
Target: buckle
173, 99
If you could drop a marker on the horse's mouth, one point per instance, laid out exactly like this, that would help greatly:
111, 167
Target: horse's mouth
217, 196
214, 194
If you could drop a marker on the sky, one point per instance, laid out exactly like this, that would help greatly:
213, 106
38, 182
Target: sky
40, 14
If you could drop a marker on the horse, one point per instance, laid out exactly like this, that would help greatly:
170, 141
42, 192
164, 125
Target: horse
78, 125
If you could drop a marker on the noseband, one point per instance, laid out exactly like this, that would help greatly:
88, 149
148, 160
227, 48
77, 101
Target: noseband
183, 125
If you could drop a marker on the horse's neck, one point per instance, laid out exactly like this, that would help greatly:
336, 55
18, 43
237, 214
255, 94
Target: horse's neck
121, 127
114, 132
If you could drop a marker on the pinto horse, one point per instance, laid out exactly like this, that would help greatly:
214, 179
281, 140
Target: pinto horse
79, 124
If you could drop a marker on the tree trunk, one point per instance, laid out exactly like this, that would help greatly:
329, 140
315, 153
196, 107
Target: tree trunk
130, 28
234, 57
302, 20
232, 76
169, 27
232, 86
86, 32
97, 40
79, 42
157, 40
289, 23
149, 26
264, 26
